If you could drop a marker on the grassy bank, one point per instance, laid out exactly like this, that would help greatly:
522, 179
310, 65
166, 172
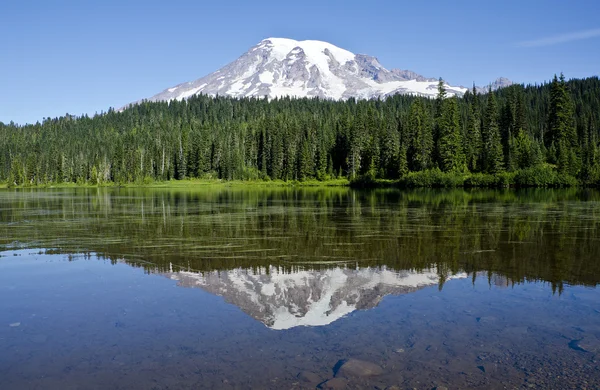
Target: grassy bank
190, 183
540, 177
545, 176
195, 183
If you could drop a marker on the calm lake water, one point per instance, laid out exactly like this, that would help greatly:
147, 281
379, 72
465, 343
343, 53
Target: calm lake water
277, 288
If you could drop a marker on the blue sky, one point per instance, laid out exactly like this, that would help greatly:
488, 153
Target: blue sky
86, 56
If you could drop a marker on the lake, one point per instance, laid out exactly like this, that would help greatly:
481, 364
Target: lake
283, 288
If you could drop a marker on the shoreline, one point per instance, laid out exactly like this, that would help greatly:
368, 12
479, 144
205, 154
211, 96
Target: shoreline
192, 183
541, 177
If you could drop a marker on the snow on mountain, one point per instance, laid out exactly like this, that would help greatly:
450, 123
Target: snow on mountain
306, 298
279, 67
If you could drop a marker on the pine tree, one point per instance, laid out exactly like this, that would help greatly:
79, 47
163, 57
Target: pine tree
525, 151
389, 151
507, 123
321, 160
561, 127
371, 151
305, 161
520, 115
277, 153
402, 162
492, 155
473, 136
439, 106
441, 95
451, 154
420, 137
354, 150
262, 152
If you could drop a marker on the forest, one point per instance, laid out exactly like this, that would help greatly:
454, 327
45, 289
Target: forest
535, 135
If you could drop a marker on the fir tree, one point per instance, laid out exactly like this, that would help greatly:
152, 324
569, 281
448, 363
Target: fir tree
492, 156
389, 151
420, 137
402, 162
561, 127
473, 134
450, 143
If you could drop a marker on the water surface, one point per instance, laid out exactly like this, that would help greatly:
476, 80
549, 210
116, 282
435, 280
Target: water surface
272, 288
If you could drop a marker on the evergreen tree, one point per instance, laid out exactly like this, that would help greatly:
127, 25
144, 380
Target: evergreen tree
451, 154
492, 156
354, 150
473, 134
402, 162
420, 137
525, 152
561, 127
441, 95
439, 107
506, 124
390, 151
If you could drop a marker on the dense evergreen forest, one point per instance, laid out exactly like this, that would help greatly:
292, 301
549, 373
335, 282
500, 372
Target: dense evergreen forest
544, 135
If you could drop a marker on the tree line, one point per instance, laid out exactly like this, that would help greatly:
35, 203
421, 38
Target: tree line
548, 128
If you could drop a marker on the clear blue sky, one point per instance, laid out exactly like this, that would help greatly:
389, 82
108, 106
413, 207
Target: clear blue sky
86, 56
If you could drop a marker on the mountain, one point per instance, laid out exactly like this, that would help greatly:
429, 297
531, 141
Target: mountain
279, 67
500, 82
306, 298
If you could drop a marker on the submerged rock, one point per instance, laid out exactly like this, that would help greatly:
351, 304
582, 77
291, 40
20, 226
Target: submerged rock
334, 384
487, 320
310, 377
356, 368
586, 344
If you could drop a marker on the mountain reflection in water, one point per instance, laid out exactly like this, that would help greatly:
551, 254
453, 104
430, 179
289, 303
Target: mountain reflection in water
283, 300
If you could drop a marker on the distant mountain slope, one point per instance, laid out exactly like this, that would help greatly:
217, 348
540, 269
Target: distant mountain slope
279, 67
500, 82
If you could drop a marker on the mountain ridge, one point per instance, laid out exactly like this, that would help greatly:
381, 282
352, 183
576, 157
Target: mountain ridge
278, 67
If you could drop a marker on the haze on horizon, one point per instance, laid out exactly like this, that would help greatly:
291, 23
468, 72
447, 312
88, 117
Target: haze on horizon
73, 57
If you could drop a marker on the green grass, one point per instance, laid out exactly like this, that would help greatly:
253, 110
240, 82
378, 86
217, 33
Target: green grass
199, 183
59, 185
192, 183
543, 176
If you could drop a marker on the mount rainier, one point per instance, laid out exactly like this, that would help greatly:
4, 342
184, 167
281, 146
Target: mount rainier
278, 67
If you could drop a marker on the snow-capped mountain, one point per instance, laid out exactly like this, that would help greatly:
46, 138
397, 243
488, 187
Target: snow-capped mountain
279, 67
306, 298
